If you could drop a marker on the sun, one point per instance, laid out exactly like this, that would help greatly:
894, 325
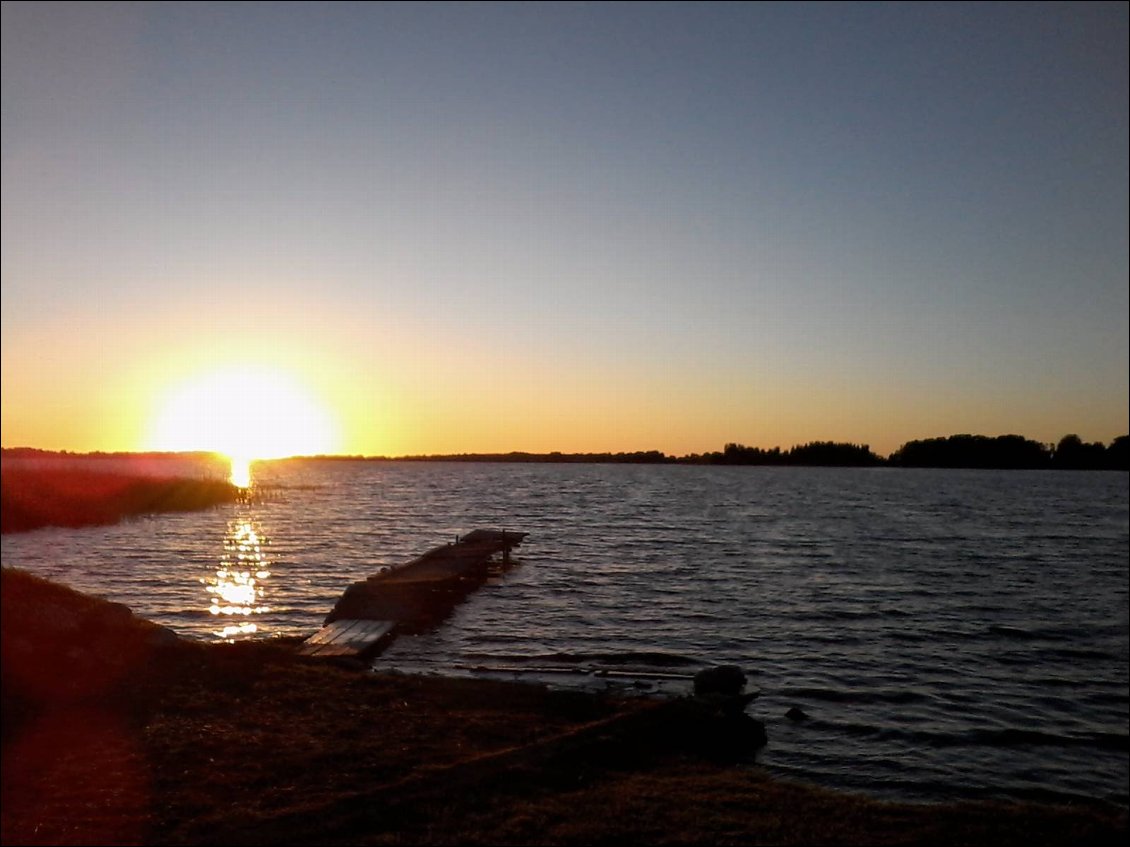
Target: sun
246, 413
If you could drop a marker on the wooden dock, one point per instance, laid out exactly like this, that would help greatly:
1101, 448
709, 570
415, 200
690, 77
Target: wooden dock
345, 638
416, 594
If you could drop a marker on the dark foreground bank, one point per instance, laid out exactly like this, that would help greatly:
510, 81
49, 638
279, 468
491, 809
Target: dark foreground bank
115, 731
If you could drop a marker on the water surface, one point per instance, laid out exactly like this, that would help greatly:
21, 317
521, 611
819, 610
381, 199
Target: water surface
949, 633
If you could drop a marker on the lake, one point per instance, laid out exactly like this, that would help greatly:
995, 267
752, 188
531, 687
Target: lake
950, 634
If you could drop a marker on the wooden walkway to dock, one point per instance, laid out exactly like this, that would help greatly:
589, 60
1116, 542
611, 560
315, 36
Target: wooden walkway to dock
345, 638
370, 611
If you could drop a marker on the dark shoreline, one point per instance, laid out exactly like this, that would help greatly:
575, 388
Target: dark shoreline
1002, 452
115, 731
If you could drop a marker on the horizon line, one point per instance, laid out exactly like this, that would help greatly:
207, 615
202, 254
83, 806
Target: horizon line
532, 453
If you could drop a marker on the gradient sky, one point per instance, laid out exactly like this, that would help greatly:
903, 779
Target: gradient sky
576, 227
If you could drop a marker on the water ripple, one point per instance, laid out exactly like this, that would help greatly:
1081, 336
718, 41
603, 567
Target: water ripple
947, 631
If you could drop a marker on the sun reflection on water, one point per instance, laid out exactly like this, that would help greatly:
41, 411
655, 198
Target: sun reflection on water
239, 586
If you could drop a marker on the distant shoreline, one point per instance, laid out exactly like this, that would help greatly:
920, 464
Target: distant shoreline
1002, 452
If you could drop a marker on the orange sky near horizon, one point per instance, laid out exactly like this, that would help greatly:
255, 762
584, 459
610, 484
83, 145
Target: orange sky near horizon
421, 400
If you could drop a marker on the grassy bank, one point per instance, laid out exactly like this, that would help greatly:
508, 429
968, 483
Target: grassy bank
116, 732
35, 497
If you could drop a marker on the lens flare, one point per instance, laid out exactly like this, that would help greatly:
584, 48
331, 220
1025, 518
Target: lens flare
245, 413
240, 474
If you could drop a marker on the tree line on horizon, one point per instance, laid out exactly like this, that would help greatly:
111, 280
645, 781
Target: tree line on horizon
1004, 452
1001, 452
1013, 452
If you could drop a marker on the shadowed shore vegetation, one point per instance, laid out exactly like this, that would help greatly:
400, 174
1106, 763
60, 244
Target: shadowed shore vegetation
116, 732
1003, 452
1013, 452
33, 497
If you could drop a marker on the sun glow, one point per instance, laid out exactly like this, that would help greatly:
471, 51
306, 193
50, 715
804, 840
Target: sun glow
240, 473
246, 413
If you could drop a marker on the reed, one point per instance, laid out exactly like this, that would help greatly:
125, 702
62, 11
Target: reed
71, 497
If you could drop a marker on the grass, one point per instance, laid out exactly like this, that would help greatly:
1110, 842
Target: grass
36, 497
115, 733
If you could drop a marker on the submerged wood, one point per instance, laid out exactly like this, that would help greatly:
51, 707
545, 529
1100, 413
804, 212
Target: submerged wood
414, 596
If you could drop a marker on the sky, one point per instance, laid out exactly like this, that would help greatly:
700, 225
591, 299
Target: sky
443, 228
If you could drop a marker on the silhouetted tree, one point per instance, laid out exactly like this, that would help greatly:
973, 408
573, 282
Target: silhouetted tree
972, 451
827, 453
833, 454
1118, 454
1073, 454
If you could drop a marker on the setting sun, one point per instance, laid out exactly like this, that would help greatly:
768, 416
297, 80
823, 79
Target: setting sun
245, 413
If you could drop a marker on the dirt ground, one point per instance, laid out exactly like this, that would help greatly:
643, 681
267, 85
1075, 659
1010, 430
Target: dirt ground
114, 732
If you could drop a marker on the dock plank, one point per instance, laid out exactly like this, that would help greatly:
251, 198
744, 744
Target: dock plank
346, 637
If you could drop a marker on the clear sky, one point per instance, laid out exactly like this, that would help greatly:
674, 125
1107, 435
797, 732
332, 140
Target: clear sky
578, 227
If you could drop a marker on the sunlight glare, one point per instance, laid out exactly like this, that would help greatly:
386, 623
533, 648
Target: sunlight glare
240, 474
245, 413
238, 587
